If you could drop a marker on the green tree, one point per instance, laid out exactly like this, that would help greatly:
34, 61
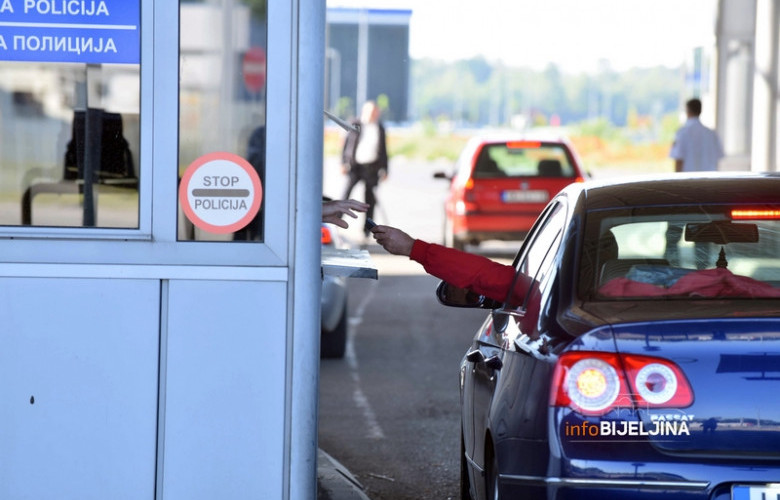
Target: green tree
258, 8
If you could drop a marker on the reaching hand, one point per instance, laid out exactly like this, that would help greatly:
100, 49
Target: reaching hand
333, 211
393, 240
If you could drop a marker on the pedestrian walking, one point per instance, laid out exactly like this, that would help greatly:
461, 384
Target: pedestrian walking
364, 156
696, 147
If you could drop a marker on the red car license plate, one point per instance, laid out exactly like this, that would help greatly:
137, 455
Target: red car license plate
525, 196
757, 492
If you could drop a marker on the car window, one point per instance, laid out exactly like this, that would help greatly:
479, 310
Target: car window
684, 253
524, 159
534, 267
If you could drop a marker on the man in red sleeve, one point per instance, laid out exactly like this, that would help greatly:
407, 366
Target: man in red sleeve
461, 269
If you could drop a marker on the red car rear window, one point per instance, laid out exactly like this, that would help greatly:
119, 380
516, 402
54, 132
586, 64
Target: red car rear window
524, 159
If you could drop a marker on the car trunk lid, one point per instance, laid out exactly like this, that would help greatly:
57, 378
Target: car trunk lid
514, 194
733, 367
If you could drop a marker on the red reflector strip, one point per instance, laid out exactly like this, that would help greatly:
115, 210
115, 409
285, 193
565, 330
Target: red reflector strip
327, 239
754, 214
523, 144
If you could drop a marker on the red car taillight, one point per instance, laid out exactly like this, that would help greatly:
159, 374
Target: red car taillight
594, 383
755, 214
465, 199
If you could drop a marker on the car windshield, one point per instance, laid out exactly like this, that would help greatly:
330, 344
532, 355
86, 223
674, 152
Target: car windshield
693, 252
523, 159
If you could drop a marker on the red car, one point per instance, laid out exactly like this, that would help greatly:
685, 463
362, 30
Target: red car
501, 185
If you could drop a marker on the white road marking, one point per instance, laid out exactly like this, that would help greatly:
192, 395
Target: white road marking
360, 399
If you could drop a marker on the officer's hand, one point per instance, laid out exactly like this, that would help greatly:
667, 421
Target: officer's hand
333, 211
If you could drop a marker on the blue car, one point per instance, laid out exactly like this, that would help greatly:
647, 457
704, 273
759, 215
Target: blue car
642, 360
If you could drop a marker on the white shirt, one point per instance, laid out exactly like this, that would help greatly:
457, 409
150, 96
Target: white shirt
697, 146
367, 150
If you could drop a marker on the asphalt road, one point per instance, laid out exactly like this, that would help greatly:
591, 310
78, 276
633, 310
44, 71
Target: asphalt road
389, 411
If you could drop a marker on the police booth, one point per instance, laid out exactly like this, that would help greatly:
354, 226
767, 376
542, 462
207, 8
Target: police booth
160, 182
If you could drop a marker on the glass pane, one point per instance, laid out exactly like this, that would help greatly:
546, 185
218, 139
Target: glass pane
524, 159
685, 253
222, 120
531, 270
69, 114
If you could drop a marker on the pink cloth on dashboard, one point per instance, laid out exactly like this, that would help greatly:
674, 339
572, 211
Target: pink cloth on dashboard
709, 283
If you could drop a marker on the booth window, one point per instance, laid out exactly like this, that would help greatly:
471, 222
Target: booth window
221, 169
69, 115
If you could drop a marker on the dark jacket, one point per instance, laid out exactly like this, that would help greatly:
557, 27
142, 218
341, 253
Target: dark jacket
351, 142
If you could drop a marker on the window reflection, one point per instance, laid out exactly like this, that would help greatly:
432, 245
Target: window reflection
222, 116
69, 113
46, 113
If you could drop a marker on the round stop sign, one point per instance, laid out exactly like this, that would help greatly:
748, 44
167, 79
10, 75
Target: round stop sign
220, 192
253, 68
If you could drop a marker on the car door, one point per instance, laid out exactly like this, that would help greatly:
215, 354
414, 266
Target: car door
479, 372
519, 399
485, 358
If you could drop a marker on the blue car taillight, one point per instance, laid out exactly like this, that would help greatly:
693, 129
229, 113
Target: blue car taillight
593, 383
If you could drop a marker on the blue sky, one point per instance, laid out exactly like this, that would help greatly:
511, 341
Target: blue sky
574, 34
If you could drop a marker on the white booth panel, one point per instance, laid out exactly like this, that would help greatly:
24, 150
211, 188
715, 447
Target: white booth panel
224, 390
79, 370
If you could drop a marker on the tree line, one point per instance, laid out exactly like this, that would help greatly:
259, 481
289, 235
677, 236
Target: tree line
476, 92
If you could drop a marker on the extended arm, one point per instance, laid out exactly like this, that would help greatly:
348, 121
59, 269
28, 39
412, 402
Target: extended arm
461, 269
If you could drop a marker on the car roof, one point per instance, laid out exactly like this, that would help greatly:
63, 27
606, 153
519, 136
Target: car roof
679, 189
499, 136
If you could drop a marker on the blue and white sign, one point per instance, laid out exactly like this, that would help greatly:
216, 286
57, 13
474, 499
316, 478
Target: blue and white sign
73, 31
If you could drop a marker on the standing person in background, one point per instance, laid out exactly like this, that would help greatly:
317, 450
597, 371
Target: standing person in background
696, 148
364, 156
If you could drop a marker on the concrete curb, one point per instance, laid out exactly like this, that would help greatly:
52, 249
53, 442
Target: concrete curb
335, 482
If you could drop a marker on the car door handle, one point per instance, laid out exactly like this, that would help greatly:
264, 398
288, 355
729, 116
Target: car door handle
476, 356
494, 362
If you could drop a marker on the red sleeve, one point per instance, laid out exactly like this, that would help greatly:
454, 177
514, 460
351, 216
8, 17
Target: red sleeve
465, 270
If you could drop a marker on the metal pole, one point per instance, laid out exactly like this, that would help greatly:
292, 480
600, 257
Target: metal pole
93, 142
306, 214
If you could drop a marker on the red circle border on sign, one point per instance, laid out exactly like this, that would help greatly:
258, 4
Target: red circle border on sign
185, 182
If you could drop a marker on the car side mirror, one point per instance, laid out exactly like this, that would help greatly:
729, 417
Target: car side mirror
453, 296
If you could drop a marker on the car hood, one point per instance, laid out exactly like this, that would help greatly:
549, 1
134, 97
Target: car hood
733, 367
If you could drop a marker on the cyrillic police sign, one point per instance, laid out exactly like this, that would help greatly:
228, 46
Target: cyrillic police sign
73, 31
